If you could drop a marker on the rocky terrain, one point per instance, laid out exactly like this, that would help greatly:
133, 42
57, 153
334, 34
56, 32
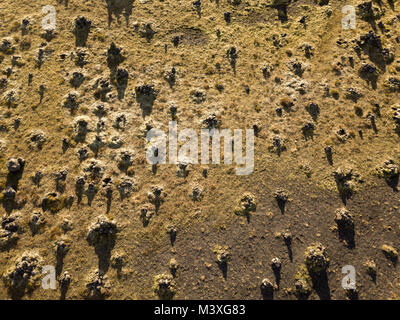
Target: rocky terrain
76, 190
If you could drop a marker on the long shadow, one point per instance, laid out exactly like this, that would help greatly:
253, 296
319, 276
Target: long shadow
11, 204
65, 2
60, 186
109, 199
148, 32
288, 243
11, 243
63, 291
345, 193
59, 263
376, 56
352, 294
223, 266
313, 110
393, 183
267, 294
118, 7
329, 156
281, 204
16, 293
91, 194
347, 234
103, 253
277, 274
122, 82
172, 236
79, 192
145, 96
81, 31
321, 285
171, 78
308, 131
282, 13
14, 177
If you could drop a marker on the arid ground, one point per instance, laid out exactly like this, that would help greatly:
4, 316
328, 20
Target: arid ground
77, 192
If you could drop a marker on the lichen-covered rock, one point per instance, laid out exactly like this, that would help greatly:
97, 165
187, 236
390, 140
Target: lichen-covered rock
95, 168
9, 229
303, 283
173, 265
81, 128
277, 144
212, 121
197, 193
118, 260
24, 275
389, 170
157, 195
15, 165
36, 222
222, 255
36, 139
61, 248
145, 214
126, 186
54, 202
183, 168
344, 219
97, 287
114, 56
102, 232
164, 286
390, 252
370, 268
346, 181
316, 259
125, 159
276, 264
246, 205
71, 101
267, 288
